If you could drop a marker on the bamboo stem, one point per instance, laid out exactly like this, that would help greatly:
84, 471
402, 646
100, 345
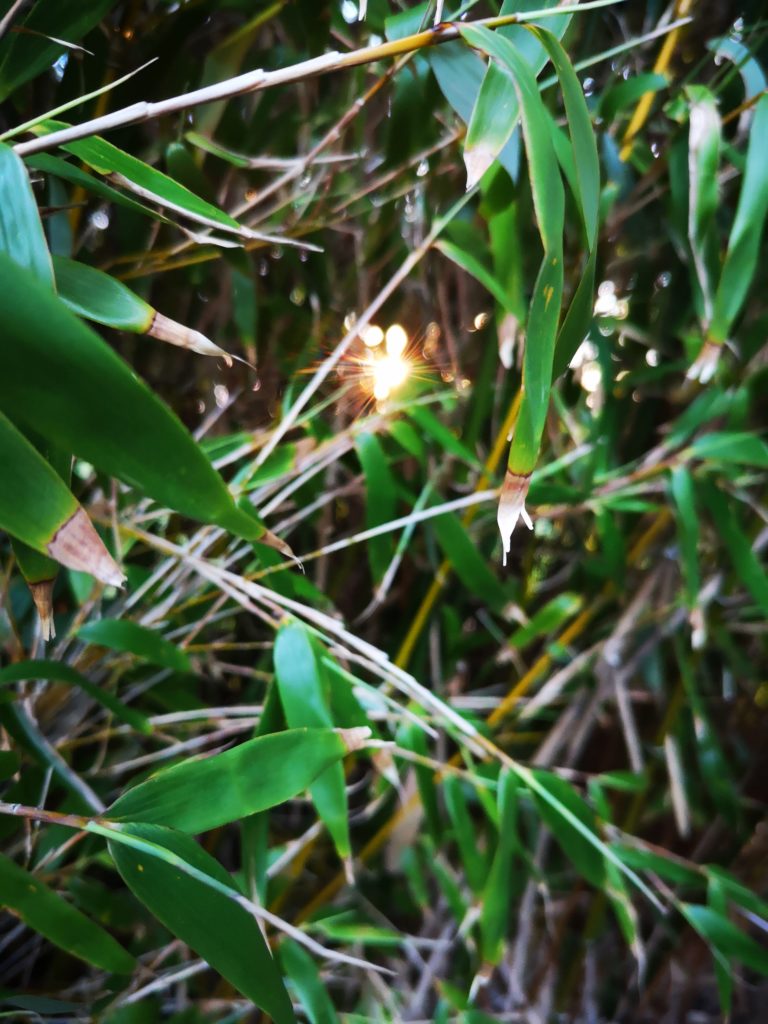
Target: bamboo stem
255, 81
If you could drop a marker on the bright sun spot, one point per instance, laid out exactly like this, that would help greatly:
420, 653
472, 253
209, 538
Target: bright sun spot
373, 335
388, 374
386, 366
397, 340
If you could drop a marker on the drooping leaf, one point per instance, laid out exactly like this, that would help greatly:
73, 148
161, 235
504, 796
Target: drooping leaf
725, 938
61, 672
21, 232
306, 980
133, 638
84, 397
380, 499
304, 694
560, 794
149, 183
196, 899
497, 893
742, 258
44, 911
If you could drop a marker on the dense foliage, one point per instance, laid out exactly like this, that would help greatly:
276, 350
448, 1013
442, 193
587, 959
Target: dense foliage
287, 731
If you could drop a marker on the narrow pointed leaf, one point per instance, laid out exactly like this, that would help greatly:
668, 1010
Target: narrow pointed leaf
60, 672
306, 980
725, 938
583, 854
305, 696
741, 261
199, 906
85, 398
145, 643
745, 562
21, 232
201, 794
111, 162
44, 911
497, 893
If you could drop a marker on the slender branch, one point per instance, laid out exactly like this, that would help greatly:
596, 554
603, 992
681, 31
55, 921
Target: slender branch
48, 817
8, 19
255, 81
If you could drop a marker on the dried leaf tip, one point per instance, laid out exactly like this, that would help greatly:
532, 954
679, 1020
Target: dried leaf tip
355, 739
174, 333
512, 507
704, 365
77, 545
42, 595
477, 160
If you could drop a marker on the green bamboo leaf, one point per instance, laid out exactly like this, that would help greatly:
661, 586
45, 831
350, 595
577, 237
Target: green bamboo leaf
45, 912
38, 570
731, 446
725, 938
210, 146
627, 92
496, 109
472, 858
744, 560
23, 239
198, 795
584, 855
380, 499
133, 638
83, 397
305, 696
412, 737
446, 440
552, 616
497, 894
748, 66
21, 232
60, 672
577, 320
616, 887
493, 120
37, 508
468, 564
197, 901
459, 74
688, 531
464, 259
121, 167
669, 868
717, 900
544, 314
736, 892
96, 296
305, 978
583, 143
33, 49
741, 259
9, 764
58, 168
546, 184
